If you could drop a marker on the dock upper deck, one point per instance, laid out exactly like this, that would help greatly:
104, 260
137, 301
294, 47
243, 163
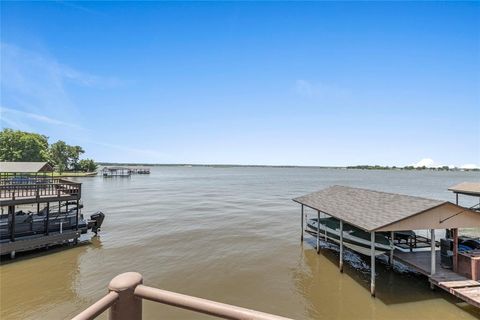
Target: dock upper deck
25, 190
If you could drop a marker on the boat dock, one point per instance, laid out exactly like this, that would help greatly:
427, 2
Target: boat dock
36, 209
459, 285
123, 171
391, 217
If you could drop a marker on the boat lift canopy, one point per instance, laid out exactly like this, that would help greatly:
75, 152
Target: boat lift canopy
466, 188
381, 211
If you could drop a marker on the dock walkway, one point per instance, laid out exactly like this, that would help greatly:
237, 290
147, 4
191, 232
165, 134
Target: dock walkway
456, 284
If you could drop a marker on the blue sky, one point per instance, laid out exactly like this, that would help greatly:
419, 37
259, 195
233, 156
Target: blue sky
247, 83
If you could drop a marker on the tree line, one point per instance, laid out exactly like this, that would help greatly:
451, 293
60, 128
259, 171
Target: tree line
16, 145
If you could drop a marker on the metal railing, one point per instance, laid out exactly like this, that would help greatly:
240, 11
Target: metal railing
126, 292
37, 187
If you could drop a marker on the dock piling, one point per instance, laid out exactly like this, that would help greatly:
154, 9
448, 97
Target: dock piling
325, 228
301, 217
372, 262
433, 254
392, 249
318, 232
341, 246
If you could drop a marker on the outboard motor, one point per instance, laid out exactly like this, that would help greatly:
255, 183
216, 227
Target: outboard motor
96, 221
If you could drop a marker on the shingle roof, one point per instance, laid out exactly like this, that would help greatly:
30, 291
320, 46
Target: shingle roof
366, 209
470, 188
25, 167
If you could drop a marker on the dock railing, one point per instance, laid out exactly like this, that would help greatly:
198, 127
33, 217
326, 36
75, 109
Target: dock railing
12, 188
126, 292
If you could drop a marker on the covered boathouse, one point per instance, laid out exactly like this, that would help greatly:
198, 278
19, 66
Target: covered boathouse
387, 213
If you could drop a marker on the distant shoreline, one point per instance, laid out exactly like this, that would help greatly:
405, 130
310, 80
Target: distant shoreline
68, 174
359, 167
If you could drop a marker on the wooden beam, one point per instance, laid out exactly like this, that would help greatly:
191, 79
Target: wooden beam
48, 217
76, 215
392, 248
11, 210
432, 253
455, 249
341, 246
325, 216
318, 232
301, 218
372, 263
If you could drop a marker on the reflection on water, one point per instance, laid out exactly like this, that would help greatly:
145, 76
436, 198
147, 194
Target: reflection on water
228, 234
399, 295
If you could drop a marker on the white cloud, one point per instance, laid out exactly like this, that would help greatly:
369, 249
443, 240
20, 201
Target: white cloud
309, 89
426, 162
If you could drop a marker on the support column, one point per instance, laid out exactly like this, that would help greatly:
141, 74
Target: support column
318, 232
455, 249
455, 242
47, 218
128, 306
341, 246
392, 248
301, 218
11, 210
76, 217
433, 254
372, 263
325, 229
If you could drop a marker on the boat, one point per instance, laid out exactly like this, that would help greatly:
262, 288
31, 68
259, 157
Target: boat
60, 219
353, 237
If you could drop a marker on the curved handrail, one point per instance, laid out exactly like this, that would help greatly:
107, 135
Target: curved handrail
98, 307
212, 308
128, 289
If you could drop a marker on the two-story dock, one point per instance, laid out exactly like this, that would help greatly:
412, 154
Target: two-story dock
123, 171
109, 172
38, 210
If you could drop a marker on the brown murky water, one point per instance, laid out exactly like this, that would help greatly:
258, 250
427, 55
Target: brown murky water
231, 235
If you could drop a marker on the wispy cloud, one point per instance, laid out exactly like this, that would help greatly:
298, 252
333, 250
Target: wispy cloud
309, 89
35, 87
78, 7
10, 117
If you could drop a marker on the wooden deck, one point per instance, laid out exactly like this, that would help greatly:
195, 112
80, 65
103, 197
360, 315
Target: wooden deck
462, 287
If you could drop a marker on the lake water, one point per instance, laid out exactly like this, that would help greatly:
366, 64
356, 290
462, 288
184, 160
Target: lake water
231, 235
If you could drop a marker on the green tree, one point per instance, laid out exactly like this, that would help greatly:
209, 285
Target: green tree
74, 153
87, 165
16, 145
59, 155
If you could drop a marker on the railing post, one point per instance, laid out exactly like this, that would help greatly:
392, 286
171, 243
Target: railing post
128, 306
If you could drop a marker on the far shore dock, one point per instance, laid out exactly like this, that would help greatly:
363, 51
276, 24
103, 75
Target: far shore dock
123, 171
